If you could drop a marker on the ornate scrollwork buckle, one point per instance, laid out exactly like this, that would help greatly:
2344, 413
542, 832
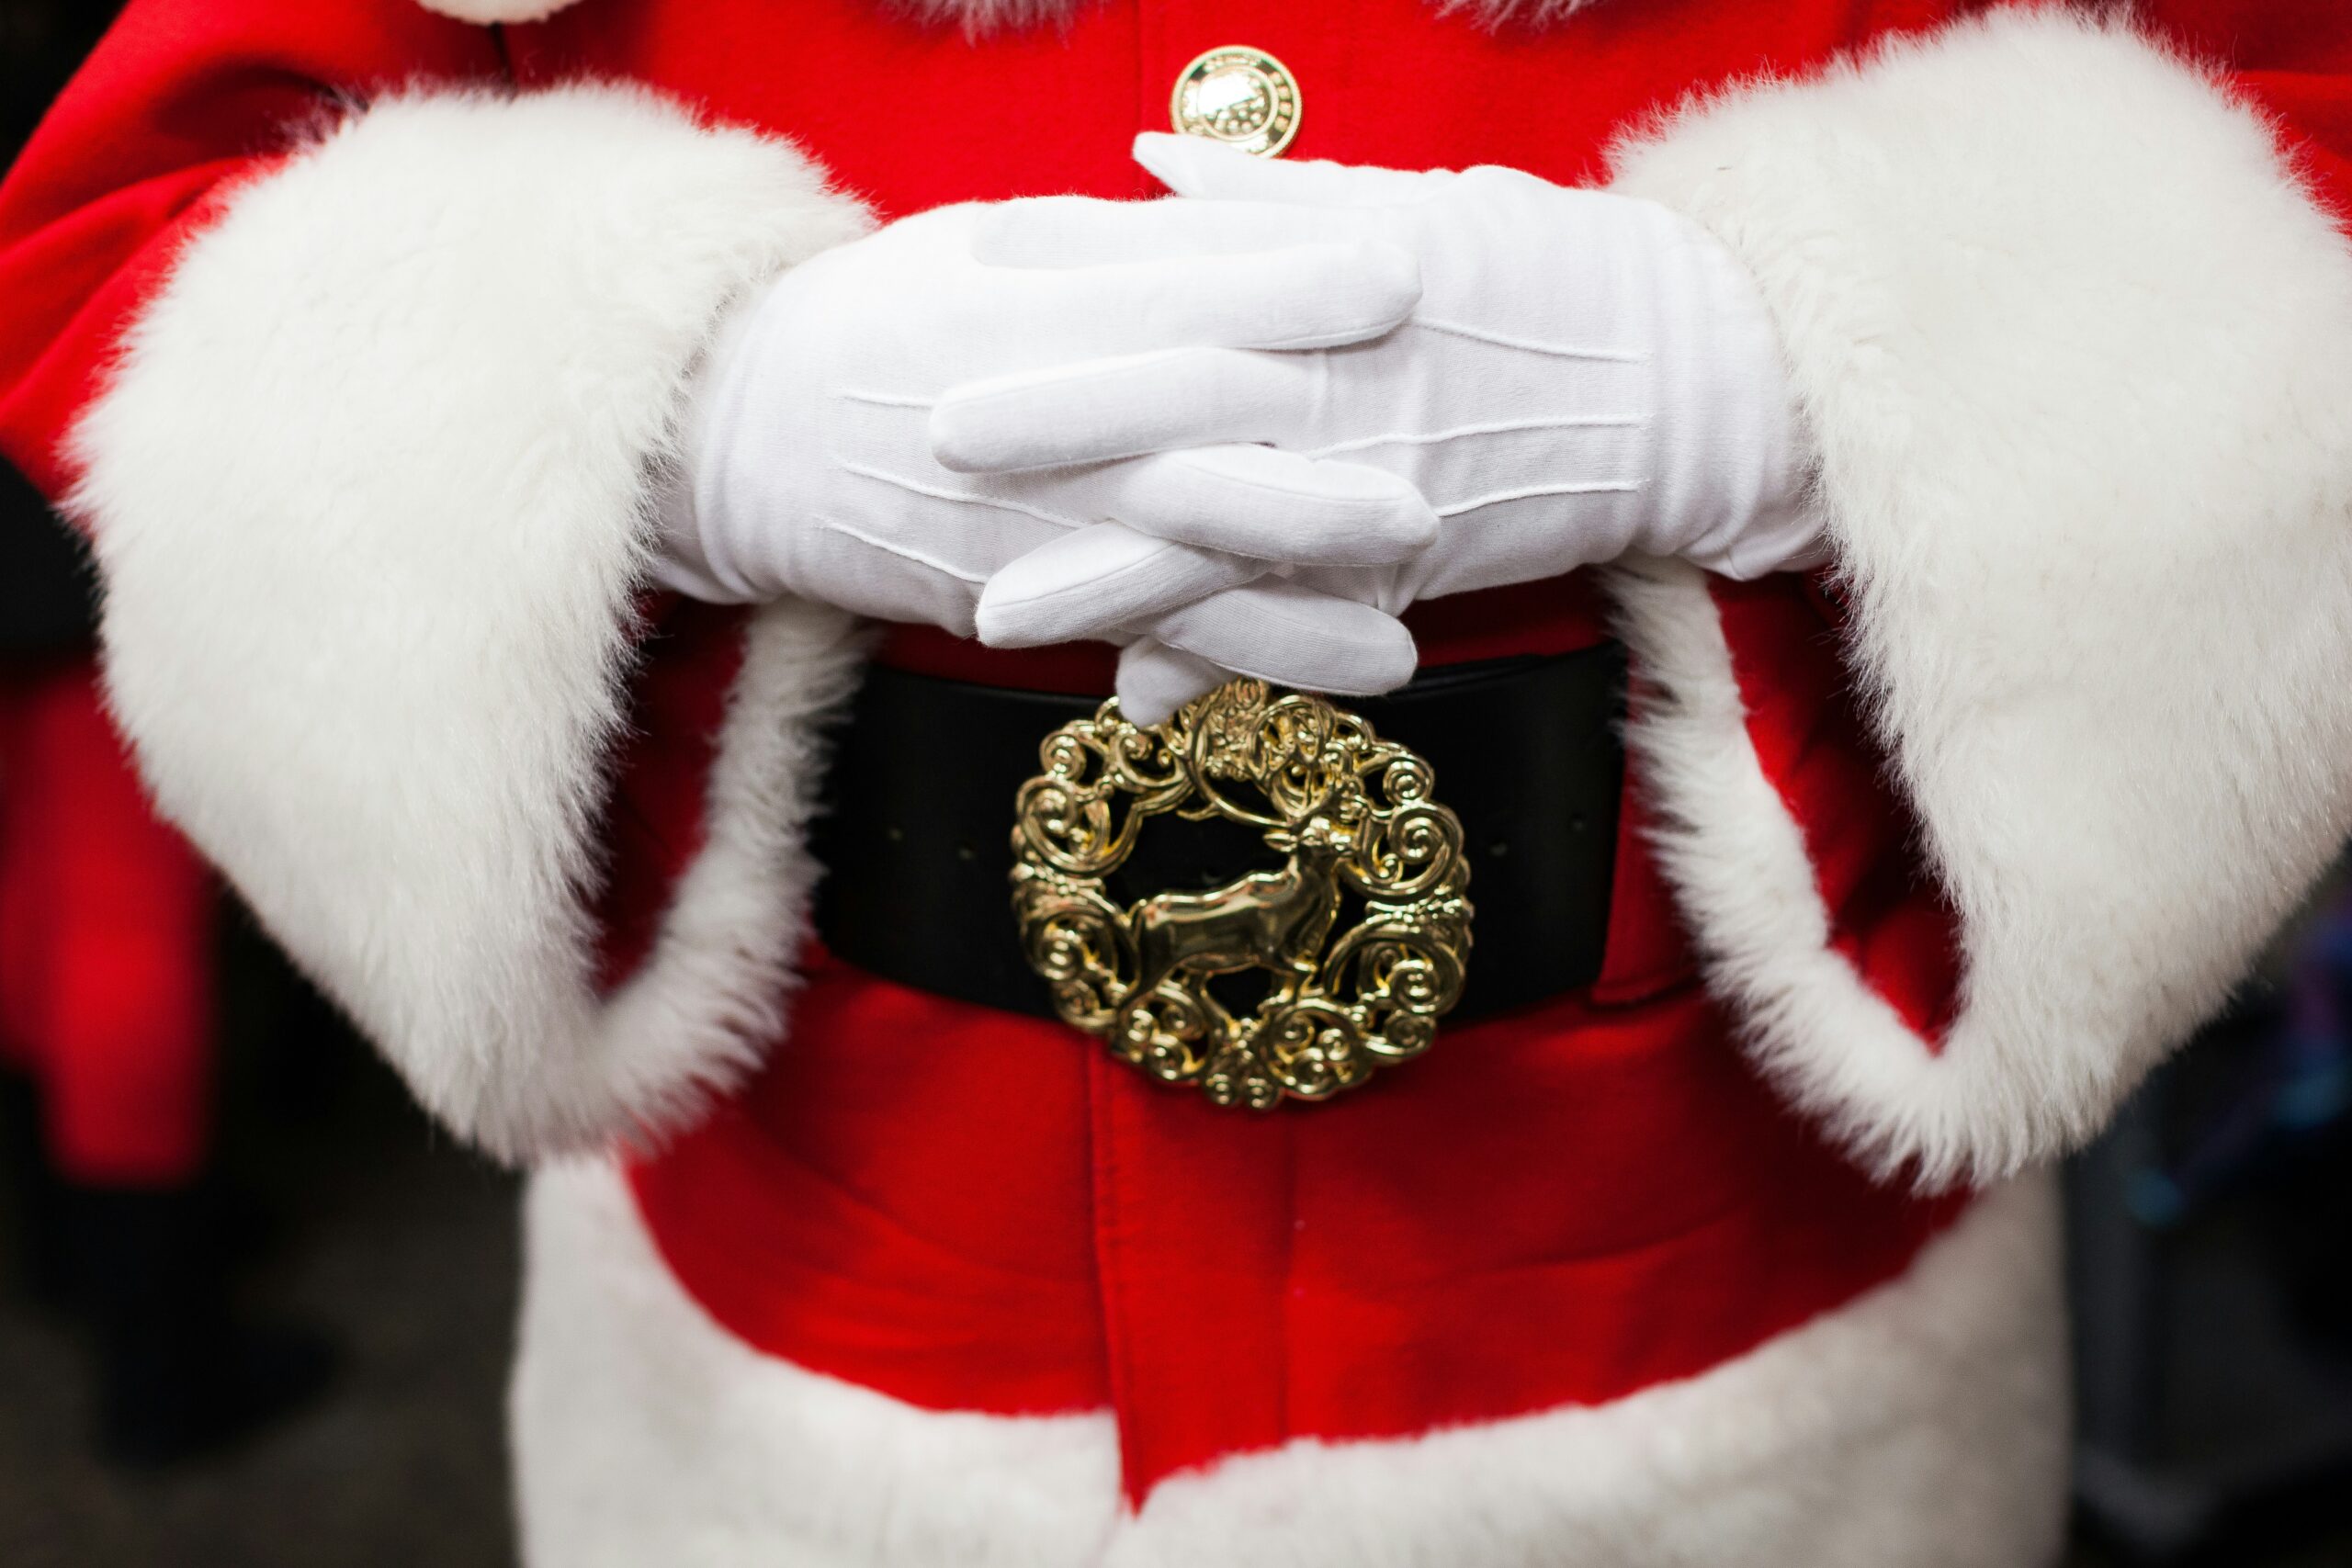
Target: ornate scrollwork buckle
1356, 817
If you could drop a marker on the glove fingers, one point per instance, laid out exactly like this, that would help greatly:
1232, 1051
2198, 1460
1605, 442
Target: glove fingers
1095, 583
1123, 407
1267, 503
1306, 295
1049, 232
1279, 631
1195, 166
1155, 680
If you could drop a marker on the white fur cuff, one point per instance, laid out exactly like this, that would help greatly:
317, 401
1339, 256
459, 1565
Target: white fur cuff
368, 495
2076, 352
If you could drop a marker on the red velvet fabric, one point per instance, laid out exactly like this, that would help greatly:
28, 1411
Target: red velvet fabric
106, 942
972, 1210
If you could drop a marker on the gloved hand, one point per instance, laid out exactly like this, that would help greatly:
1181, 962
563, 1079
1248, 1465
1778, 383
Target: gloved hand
808, 466
1585, 375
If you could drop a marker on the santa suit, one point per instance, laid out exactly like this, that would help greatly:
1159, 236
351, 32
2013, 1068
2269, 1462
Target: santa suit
363, 331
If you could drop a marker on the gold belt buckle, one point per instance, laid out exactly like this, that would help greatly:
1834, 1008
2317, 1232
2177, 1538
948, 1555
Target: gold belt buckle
1356, 817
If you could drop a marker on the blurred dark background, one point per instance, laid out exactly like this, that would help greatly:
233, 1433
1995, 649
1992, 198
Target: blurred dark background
262, 1317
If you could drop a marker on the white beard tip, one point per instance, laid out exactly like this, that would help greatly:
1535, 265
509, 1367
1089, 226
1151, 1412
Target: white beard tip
487, 13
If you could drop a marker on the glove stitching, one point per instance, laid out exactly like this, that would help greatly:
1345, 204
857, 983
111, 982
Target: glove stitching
1494, 427
1531, 345
914, 487
902, 551
888, 400
1596, 487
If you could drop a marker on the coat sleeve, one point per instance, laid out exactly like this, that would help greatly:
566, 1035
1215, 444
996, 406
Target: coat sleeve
2067, 303
356, 366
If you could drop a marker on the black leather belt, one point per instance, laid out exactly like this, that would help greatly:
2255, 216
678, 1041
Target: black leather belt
916, 836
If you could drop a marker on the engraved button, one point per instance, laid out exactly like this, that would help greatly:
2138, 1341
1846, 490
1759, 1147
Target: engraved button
1243, 97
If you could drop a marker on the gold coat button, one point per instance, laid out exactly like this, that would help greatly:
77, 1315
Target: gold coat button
1243, 97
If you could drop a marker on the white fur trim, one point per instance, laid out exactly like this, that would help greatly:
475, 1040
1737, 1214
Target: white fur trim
490, 11
979, 17
2076, 350
1923, 1425
1516, 13
645, 1434
369, 492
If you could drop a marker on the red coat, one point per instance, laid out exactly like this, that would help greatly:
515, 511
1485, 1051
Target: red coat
1642, 1275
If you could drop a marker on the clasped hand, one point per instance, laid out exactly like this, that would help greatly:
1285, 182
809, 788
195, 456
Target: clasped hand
1238, 432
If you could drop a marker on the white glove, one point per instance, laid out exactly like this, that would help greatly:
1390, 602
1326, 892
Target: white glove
808, 466
1585, 375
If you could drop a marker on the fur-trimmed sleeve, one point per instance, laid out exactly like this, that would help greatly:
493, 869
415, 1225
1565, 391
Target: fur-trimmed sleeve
2074, 338
366, 479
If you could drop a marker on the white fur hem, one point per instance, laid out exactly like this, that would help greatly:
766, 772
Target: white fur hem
2076, 352
369, 492
1925, 1424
